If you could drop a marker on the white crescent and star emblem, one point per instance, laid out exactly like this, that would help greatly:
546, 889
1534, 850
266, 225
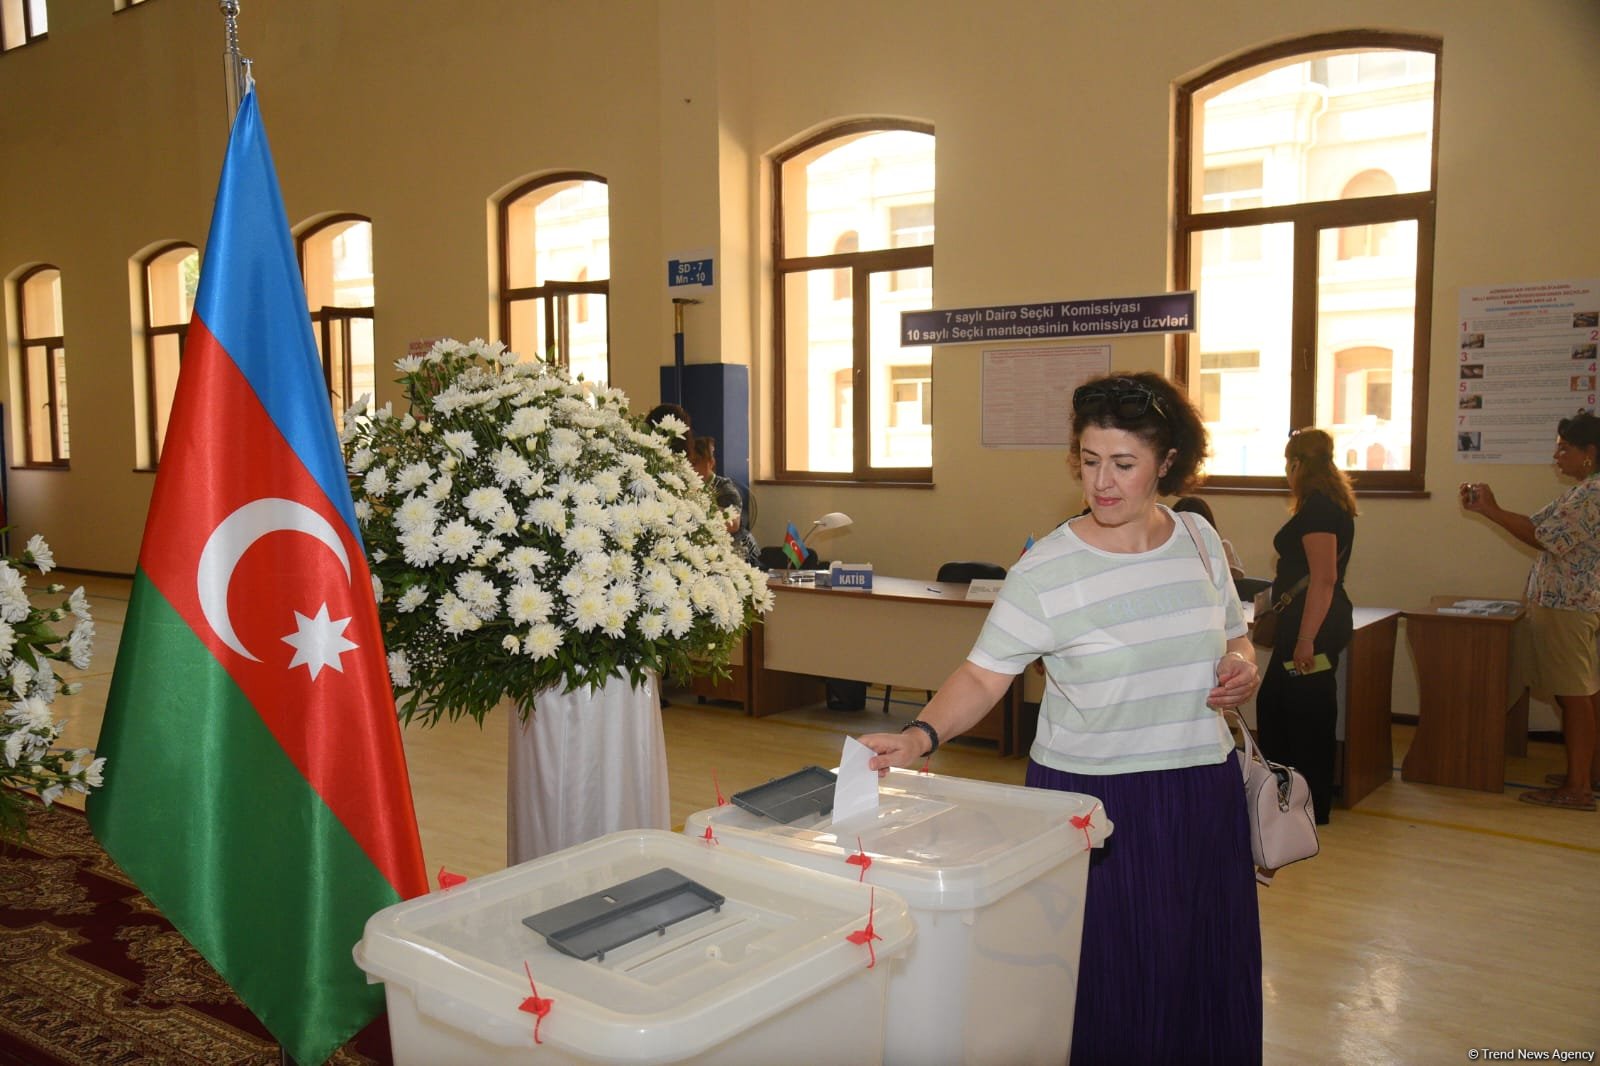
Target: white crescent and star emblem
318, 641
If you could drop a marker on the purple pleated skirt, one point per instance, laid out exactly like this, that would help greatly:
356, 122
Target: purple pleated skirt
1170, 970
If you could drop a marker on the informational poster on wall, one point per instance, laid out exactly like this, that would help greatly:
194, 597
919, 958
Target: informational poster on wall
1027, 392
1527, 360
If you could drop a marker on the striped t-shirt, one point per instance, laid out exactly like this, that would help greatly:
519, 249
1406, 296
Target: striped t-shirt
1130, 645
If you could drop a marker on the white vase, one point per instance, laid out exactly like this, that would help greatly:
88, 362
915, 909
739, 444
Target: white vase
585, 763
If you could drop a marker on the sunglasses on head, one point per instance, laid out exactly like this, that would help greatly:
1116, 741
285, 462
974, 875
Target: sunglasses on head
1122, 398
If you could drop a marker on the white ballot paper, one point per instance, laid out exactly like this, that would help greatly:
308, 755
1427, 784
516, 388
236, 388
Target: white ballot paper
856, 791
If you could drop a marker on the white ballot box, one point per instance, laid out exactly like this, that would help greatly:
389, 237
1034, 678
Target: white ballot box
644, 947
995, 878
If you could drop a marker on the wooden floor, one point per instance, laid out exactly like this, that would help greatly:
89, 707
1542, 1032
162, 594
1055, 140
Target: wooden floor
1435, 921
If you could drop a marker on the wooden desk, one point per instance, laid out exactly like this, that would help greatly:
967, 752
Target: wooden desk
1463, 680
1364, 757
910, 634
1366, 752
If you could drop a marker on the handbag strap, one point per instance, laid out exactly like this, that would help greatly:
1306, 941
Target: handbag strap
1300, 586
1248, 745
1194, 535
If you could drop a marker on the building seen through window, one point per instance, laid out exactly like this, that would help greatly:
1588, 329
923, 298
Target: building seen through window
854, 249
43, 349
1305, 222
555, 271
336, 261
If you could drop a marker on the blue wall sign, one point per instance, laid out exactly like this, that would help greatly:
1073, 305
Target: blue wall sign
689, 272
1115, 316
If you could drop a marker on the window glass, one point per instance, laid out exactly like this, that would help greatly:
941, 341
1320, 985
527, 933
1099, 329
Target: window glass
556, 256
856, 227
1310, 316
341, 291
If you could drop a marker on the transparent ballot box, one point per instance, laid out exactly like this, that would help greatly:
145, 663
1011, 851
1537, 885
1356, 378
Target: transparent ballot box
638, 947
994, 876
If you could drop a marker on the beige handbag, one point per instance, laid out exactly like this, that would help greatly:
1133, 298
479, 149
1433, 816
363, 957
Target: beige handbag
1283, 826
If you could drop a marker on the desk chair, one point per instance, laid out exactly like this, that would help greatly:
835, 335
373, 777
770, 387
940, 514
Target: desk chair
964, 572
772, 558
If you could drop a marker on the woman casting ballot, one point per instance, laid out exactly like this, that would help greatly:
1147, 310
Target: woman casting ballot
1142, 641
1563, 595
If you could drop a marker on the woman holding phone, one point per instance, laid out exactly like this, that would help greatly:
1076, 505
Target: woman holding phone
1298, 707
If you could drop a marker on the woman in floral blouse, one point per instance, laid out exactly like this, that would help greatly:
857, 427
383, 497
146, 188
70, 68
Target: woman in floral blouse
1563, 597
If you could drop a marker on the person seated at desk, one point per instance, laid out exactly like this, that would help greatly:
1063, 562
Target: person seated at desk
703, 457
1563, 595
1195, 505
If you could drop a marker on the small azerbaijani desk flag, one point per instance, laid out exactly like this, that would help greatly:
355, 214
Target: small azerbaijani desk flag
1026, 546
256, 786
792, 546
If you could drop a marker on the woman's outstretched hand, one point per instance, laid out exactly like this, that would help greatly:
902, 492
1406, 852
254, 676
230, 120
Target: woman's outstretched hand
895, 749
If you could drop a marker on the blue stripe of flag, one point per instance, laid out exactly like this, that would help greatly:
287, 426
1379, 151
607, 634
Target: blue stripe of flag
268, 336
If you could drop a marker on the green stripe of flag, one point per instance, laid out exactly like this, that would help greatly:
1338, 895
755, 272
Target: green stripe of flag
203, 809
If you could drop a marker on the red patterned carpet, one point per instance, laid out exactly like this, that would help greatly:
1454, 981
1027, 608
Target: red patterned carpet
92, 974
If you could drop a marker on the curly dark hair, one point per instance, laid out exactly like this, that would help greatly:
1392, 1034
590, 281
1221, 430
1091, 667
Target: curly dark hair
1169, 424
1581, 430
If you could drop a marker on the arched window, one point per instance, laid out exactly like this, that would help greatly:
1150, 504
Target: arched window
1359, 242
41, 339
336, 262
555, 272
1304, 192
853, 248
169, 277
22, 22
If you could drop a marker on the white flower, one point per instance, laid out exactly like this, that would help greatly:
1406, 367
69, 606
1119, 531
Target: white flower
583, 539
679, 618
542, 641
527, 422
411, 476
510, 643
377, 481
51, 794
586, 611
457, 541
33, 714
14, 745
456, 617
399, 669
478, 593
485, 503
608, 484
416, 515
411, 599
38, 552
547, 513
8, 640
674, 425
80, 644
462, 442
528, 603
409, 365
652, 625
360, 459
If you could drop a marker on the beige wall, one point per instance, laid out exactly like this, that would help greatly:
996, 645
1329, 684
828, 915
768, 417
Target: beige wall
1053, 174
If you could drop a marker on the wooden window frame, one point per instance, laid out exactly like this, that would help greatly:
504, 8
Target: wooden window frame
1310, 219
29, 35
152, 333
861, 265
558, 297
324, 320
55, 354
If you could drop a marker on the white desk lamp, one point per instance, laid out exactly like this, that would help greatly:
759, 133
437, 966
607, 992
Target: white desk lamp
831, 520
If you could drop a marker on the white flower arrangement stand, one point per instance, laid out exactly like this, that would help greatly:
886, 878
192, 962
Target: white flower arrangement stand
585, 763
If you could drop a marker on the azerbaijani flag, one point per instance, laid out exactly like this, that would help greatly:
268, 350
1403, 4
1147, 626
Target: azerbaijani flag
792, 546
255, 784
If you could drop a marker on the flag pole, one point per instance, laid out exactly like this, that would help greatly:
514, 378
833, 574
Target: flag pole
235, 68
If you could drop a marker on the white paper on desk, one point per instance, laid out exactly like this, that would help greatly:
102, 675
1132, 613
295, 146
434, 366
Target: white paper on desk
984, 588
856, 791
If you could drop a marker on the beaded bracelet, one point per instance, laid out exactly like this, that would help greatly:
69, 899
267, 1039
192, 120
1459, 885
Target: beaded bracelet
933, 734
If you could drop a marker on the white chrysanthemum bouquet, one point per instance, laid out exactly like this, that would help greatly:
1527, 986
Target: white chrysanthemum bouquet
524, 533
29, 758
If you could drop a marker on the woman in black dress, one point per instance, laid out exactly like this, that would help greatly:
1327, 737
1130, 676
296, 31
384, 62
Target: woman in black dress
1297, 708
